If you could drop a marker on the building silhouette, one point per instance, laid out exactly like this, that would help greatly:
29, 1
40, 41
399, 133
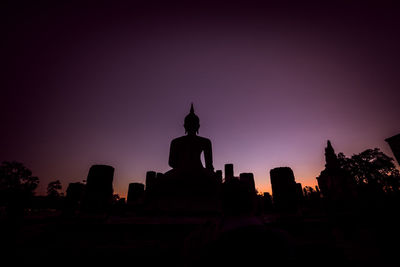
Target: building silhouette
299, 192
337, 186
247, 179
284, 189
75, 191
218, 174
74, 196
266, 202
394, 143
99, 188
151, 181
229, 174
135, 193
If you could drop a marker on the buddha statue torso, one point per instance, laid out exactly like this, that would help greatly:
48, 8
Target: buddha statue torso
185, 153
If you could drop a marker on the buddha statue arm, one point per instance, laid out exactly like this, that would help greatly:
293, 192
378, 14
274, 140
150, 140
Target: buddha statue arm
172, 162
208, 155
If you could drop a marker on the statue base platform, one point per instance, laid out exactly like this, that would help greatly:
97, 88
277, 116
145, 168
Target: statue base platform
170, 205
192, 194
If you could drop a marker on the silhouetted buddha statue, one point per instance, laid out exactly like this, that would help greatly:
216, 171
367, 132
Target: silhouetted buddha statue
185, 156
185, 151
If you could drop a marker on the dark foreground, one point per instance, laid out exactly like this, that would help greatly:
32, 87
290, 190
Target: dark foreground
310, 240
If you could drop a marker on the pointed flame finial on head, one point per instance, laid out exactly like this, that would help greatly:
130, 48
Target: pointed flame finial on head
192, 122
191, 108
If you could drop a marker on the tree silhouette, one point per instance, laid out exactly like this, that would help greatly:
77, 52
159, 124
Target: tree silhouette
372, 169
53, 189
115, 198
17, 186
308, 191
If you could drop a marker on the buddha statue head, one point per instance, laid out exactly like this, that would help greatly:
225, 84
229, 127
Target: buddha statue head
192, 122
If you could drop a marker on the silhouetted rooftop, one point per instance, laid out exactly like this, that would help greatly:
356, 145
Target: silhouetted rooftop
397, 136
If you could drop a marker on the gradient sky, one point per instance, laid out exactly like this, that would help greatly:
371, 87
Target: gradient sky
106, 83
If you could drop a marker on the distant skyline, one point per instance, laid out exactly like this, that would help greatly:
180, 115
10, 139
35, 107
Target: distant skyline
271, 83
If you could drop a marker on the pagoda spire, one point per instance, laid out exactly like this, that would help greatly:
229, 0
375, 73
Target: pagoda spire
330, 156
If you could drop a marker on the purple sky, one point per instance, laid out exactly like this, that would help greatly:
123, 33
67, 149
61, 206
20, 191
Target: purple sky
111, 84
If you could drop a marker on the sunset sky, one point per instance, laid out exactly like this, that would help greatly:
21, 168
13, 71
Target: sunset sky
106, 83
